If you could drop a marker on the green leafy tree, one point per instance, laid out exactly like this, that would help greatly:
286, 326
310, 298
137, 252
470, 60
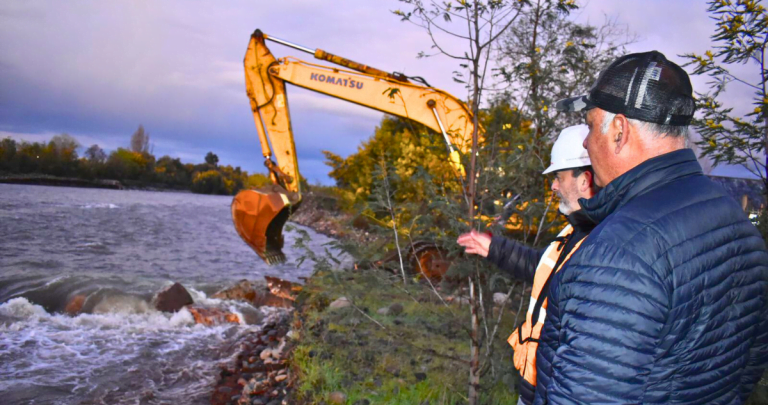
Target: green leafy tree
404, 147
8, 157
209, 182
172, 172
124, 164
543, 58
212, 159
728, 135
95, 154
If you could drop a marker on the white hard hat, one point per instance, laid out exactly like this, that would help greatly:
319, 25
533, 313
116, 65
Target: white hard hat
568, 151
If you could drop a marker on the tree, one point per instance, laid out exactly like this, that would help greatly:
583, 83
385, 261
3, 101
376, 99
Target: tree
60, 156
65, 143
8, 156
730, 136
211, 159
543, 58
479, 24
140, 141
402, 146
95, 154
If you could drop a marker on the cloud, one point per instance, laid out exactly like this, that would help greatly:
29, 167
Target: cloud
98, 69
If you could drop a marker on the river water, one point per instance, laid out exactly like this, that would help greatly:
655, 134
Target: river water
119, 248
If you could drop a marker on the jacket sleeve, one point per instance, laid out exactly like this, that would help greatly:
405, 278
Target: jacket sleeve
514, 258
611, 308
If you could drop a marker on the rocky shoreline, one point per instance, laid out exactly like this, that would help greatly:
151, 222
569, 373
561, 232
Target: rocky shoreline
260, 375
323, 214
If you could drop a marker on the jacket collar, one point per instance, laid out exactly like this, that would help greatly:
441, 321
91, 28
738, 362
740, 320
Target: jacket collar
580, 221
644, 177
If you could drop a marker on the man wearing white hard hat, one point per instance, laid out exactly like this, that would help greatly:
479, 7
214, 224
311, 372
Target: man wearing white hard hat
573, 179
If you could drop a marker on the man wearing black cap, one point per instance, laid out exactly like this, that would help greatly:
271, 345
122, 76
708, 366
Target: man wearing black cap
666, 301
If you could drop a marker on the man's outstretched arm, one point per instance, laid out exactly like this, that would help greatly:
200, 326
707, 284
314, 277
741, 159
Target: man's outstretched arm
514, 258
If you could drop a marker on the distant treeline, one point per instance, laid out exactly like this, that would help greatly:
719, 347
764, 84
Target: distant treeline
133, 166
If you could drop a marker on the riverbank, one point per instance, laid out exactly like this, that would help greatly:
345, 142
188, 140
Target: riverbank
35, 179
362, 337
46, 180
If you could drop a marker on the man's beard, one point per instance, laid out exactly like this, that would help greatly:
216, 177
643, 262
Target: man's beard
564, 207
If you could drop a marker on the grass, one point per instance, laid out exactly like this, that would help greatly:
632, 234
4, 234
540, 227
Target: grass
416, 357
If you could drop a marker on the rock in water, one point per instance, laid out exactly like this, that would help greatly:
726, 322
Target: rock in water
173, 298
282, 288
75, 305
212, 316
256, 294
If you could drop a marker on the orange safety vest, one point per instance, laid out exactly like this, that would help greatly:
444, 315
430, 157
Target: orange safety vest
525, 339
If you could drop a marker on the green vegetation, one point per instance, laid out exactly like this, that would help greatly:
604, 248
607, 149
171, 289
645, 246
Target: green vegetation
728, 136
418, 355
740, 38
135, 166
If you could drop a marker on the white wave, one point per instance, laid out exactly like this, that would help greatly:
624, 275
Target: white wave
111, 357
202, 298
122, 305
21, 308
56, 280
182, 318
100, 205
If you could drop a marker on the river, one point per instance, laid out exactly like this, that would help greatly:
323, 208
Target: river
119, 248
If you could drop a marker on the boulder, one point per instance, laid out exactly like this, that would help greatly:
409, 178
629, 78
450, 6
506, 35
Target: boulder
338, 398
256, 294
173, 298
282, 288
75, 305
341, 302
396, 309
212, 316
500, 298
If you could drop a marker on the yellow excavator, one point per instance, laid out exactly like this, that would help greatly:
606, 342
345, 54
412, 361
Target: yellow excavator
259, 215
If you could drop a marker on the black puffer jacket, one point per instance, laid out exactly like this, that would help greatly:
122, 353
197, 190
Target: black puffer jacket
514, 258
665, 302
520, 261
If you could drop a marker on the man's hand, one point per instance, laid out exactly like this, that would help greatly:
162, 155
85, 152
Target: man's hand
475, 242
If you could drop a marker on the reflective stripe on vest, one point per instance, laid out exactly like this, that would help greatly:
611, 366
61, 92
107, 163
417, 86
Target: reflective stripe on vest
525, 339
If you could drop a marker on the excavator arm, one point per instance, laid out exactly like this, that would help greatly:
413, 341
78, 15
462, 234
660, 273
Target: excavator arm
259, 215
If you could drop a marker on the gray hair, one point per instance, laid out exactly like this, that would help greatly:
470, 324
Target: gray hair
648, 127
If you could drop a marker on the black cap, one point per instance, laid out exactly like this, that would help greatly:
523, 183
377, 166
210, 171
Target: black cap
643, 86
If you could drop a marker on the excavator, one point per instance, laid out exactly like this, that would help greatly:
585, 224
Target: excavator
260, 214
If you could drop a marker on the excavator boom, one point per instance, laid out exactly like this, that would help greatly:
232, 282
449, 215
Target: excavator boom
259, 215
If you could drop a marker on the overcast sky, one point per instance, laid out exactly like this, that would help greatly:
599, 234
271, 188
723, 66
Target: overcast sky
98, 69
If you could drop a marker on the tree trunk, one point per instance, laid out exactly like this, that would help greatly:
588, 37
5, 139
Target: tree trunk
474, 359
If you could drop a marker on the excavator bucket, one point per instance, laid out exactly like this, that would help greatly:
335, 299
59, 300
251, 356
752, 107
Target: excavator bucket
259, 216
